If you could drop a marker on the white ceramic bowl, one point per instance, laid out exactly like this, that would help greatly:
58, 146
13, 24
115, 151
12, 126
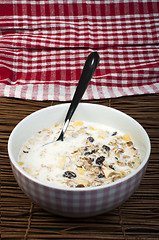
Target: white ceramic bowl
78, 202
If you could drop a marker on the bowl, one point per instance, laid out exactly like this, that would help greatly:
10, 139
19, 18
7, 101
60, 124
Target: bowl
78, 202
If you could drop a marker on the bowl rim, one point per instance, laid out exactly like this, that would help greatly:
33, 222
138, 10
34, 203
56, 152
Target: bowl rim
49, 185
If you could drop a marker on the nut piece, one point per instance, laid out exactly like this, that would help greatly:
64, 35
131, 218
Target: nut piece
107, 171
80, 186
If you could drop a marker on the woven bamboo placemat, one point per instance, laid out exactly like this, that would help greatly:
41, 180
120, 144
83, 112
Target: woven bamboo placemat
137, 218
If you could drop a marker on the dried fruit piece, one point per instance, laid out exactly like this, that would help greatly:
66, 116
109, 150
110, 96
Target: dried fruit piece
92, 128
24, 151
126, 137
100, 160
102, 137
89, 153
78, 123
101, 175
80, 171
20, 163
106, 148
111, 166
129, 143
69, 174
114, 133
91, 139
123, 173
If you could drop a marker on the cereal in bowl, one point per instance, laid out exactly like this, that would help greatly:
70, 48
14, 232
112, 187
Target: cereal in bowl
91, 154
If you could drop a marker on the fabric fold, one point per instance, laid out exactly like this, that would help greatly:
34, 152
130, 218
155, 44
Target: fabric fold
44, 45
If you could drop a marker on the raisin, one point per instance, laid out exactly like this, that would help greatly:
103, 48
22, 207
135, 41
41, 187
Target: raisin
91, 139
79, 186
116, 158
129, 143
111, 166
25, 151
69, 174
100, 160
89, 153
93, 151
114, 133
106, 148
101, 175
91, 159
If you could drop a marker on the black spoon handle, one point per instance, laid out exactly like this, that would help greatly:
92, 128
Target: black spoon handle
87, 73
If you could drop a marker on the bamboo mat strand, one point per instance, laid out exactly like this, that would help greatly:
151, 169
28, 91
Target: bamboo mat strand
121, 223
29, 221
137, 218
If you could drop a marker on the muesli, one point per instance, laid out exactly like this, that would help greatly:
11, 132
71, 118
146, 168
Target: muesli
91, 155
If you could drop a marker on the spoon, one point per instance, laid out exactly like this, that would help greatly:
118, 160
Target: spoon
87, 73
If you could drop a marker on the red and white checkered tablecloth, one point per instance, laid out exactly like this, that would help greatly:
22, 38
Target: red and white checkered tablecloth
44, 45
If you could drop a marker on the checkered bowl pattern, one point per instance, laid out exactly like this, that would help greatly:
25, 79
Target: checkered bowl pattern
83, 202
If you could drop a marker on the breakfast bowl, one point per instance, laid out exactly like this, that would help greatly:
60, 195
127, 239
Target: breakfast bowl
85, 201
